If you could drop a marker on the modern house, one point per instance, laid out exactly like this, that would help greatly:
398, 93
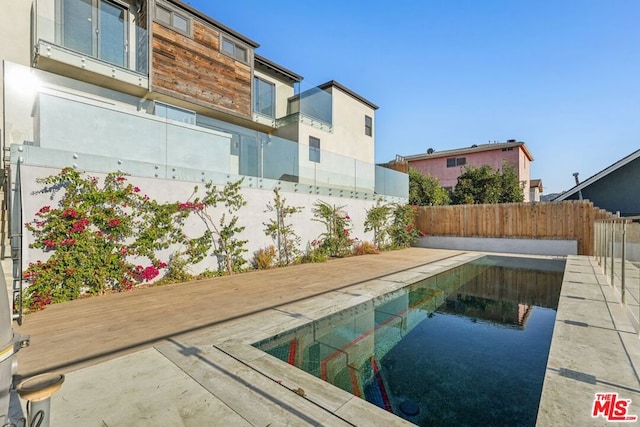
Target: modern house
166, 94
448, 165
163, 77
612, 188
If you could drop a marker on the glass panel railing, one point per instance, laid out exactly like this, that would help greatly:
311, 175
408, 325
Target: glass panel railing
312, 105
113, 33
60, 115
617, 250
632, 276
391, 182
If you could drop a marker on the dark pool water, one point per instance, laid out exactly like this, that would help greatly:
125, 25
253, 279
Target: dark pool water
467, 347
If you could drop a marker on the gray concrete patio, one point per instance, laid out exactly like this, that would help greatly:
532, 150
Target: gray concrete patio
213, 376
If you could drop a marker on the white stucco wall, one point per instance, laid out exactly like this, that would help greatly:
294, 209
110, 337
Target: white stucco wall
348, 155
15, 36
252, 216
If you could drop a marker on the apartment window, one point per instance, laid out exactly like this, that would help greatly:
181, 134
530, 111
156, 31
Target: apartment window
456, 161
233, 49
172, 112
314, 149
173, 19
368, 126
264, 97
508, 149
97, 28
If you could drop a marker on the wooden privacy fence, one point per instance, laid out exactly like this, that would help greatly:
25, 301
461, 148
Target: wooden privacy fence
566, 220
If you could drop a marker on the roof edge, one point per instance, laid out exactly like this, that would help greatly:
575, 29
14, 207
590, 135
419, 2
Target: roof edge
210, 20
604, 172
280, 69
333, 83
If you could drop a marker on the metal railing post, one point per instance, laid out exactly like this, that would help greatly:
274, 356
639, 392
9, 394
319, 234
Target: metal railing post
623, 256
605, 245
613, 250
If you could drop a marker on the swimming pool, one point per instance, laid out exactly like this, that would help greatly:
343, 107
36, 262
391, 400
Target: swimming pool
465, 347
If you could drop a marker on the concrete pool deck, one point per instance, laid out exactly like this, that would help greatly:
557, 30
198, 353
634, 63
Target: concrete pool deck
206, 373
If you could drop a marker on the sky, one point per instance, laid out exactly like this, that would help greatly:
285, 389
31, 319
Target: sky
561, 75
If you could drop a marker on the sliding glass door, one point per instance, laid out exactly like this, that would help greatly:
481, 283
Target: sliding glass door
97, 28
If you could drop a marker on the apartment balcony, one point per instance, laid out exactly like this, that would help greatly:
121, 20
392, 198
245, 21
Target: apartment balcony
96, 41
52, 121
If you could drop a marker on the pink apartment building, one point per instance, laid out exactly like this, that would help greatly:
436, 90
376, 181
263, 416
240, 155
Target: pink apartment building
448, 165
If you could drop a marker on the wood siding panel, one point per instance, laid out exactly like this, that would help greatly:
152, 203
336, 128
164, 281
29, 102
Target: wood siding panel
195, 70
568, 220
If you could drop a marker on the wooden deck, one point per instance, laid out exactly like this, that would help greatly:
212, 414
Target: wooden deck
80, 333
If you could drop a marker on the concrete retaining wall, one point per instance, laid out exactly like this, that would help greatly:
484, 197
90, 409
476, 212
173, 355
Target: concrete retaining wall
484, 244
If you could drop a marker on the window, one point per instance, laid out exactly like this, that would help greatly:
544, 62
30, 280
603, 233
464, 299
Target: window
368, 126
97, 28
233, 49
314, 149
172, 112
508, 149
264, 97
173, 19
456, 161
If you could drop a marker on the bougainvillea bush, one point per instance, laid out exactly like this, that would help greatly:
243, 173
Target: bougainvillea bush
94, 235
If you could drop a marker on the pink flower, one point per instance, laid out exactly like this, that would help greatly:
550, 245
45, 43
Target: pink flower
409, 228
80, 225
114, 222
44, 209
347, 216
124, 250
70, 213
68, 242
120, 178
136, 189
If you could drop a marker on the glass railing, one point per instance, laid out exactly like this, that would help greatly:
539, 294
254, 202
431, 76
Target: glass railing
111, 33
392, 182
74, 123
312, 105
617, 250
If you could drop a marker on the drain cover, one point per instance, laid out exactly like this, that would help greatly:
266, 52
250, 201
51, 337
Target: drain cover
409, 408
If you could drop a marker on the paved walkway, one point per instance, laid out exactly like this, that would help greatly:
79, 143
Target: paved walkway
65, 337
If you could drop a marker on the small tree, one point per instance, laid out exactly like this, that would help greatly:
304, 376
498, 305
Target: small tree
336, 240
512, 189
425, 190
221, 234
378, 221
478, 185
286, 240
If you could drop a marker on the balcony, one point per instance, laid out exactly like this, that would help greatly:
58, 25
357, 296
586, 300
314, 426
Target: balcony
93, 40
54, 121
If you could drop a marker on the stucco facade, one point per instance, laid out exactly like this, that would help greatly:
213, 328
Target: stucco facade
448, 165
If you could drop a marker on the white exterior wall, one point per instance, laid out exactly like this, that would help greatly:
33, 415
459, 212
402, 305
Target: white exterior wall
252, 216
348, 136
15, 34
348, 155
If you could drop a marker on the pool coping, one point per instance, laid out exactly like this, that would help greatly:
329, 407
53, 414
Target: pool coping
245, 386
